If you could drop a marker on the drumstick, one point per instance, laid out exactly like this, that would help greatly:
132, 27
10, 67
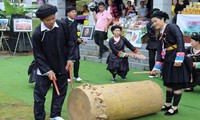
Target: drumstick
143, 72
56, 87
71, 81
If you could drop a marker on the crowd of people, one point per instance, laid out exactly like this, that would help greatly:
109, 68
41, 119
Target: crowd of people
56, 53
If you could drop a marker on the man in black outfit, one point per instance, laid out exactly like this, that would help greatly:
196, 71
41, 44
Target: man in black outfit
72, 26
152, 44
52, 59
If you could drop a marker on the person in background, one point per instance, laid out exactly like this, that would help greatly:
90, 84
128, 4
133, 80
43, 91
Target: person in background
103, 20
85, 10
131, 11
120, 7
72, 26
112, 8
194, 53
174, 2
152, 44
127, 8
180, 5
170, 57
50, 40
142, 10
118, 59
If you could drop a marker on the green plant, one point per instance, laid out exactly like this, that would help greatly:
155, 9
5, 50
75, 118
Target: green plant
12, 9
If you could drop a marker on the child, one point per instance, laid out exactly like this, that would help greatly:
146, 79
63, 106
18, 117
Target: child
118, 60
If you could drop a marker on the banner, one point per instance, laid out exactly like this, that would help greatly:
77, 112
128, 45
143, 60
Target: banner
134, 37
188, 23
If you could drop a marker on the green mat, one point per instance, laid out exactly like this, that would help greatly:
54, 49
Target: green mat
16, 94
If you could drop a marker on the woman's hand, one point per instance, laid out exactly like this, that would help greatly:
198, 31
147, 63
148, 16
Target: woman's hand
194, 64
155, 72
177, 64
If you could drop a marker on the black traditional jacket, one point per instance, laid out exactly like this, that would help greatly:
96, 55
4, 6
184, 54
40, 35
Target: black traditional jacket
72, 26
52, 48
172, 35
152, 41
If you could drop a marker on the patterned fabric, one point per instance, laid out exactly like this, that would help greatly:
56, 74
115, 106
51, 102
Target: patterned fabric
198, 65
121, 54
158, 65
179, 57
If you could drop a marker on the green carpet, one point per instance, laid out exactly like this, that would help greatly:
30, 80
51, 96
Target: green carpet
16, 94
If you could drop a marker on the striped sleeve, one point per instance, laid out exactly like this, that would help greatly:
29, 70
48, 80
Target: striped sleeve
179, 57
158, 65
121, 54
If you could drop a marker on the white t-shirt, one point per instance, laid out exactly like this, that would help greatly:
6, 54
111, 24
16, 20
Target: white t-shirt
90, 16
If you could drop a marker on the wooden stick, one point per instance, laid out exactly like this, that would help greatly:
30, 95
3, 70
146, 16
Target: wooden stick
56, 87
143, 72
71, 81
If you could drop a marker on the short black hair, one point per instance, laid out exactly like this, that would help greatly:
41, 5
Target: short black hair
116, 27
160, 15
195, 36
102, 3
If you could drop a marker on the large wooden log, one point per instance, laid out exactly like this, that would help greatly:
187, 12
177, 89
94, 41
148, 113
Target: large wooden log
114, 101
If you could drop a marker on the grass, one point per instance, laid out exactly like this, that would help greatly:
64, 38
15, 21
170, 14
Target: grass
16, 94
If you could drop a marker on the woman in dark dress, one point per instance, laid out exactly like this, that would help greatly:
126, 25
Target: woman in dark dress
194, 53
118, 59
170, 57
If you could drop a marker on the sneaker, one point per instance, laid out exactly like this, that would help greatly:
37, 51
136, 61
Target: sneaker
56, 118
78, 79
68, 80
153, 76
113, 80
189, 89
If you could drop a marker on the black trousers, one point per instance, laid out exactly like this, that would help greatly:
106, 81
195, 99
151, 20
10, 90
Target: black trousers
122, 74
41, 88
152, 55
76, 68
99, 38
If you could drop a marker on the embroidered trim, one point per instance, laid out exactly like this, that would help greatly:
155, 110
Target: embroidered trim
135, 51
180, 57
198, 64
121, 54
158, 65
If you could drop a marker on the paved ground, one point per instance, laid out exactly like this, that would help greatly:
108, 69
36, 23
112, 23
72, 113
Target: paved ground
10, 53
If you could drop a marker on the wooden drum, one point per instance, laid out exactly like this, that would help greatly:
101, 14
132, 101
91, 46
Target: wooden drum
114, 101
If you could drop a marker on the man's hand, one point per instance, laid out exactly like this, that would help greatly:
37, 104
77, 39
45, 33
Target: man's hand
52, 75
106, 28
69, 65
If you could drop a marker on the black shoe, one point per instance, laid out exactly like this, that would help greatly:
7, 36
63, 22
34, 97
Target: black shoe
171, 112
124, 78
165, 108
105, 50
189, 90
100, 56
